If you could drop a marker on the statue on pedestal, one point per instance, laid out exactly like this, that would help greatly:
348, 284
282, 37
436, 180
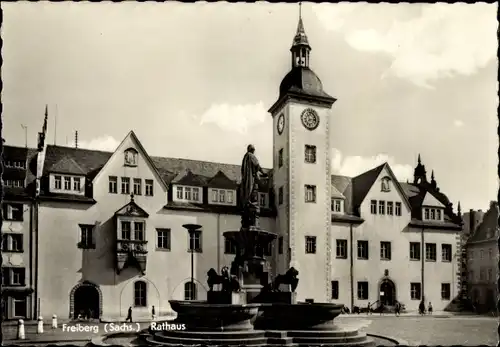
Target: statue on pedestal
251, 172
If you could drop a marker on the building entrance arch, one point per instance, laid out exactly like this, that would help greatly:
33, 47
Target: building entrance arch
387, 292
85, 301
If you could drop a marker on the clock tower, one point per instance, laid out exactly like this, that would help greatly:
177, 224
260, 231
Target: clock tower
302, 174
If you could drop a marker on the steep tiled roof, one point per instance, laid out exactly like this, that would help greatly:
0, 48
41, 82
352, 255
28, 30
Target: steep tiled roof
220, 180
488, 229
67, 165
90, 161
363, 183
27, 155
187, 178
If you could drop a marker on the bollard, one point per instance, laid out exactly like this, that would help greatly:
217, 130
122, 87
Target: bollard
54, 322
39, 329
20, 330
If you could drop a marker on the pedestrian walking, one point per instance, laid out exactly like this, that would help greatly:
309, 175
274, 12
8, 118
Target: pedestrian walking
129, 315
368, 309
421, 308
429, 309
398, 309
153, 313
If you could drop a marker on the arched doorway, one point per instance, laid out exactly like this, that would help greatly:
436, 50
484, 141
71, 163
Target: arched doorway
86, 302
387, 293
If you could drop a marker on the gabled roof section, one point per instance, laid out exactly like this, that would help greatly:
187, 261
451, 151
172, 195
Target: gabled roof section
344, 185
220, 180
132, 210
67, 165
336, 194
364, 182
187, 178
431, 201
142, 151
90, 161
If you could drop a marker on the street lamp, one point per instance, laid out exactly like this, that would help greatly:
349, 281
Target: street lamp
192, 228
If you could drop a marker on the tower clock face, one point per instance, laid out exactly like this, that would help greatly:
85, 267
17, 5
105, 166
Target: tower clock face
281, 123
310, 119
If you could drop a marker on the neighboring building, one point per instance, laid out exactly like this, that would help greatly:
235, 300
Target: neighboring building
17, 231
110, 229
482, 261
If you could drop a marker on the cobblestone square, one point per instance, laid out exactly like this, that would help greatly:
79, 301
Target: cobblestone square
431, 331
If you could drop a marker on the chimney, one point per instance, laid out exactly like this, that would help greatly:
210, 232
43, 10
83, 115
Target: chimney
76, 139
472, 221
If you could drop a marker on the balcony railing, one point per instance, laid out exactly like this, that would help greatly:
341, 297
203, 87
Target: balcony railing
134, 246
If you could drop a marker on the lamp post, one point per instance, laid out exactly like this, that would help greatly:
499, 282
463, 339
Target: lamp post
192, 228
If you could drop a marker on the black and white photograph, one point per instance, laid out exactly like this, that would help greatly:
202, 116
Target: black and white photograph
249, 174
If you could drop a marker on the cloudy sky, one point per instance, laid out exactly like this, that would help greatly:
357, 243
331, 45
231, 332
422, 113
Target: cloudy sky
196, 80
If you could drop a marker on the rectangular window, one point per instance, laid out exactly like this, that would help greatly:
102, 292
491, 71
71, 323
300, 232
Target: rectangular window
490, 274
280, 245
490, 253
336, 205
149, 187
482, 274
222, 196
310, 154
16, 242
433, 214
381, 207
430, 252
415, 291
385, 250
363, 249
481, 254
137, 186
426, 213
310, 244
180, 193
86, 237
229, 246
126, 234
310, 192
398, 209
18, 276
195, 241
342, 249
20, 307
139, 231
215, 195
262, 200
13, 212
113, 184
67, 183
446, 252
187, 193
445, 291
140, 294
163, 239
471, 275
268, 250
280, 158
362, 290
390, 208
373, 206
196, 194
438, 214
471, 255
414, 250
280, 196
125, 185
58, 182
230, 197
335, 290
76, 184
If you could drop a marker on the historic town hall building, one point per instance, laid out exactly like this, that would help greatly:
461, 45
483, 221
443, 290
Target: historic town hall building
90, 230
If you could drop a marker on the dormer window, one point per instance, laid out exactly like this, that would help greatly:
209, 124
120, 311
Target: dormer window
188, 194
222, 196
433, 214
67, 184
131, 157
386, 184
336, 205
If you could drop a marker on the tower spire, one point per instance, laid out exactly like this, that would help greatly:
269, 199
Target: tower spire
300, 46
419, 160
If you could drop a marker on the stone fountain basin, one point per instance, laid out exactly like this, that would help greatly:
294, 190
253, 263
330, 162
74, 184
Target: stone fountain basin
202, 316
300, 316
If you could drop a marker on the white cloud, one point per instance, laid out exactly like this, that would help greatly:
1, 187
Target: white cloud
445, 39
354, 165
458, 123
104, 143
235, 118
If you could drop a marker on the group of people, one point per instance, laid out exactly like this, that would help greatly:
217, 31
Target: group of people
422, 310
